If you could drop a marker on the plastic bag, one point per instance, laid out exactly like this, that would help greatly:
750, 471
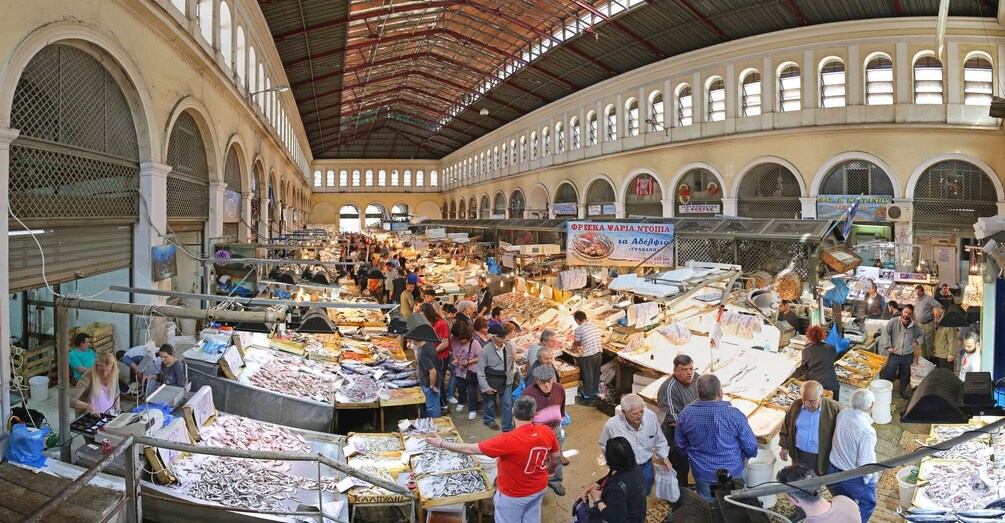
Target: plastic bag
666, 486
519, 389
26, 446
840, 344
920, 370
163, 407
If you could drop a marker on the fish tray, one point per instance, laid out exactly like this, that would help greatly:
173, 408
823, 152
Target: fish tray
827, 393
974, 424
425, 502
387, 435
291, 347
877, 361
926, 466
415, 397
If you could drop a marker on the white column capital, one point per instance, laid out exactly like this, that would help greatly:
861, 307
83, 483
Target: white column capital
7, 135
1001, 208
154, 169
808, 207
667, 207
729, 206
217, 186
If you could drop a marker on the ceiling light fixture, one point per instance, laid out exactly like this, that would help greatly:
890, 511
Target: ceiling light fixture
484, 112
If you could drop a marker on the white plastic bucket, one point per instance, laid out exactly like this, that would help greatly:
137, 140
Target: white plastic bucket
906, 489
761, 469
883, 390
488, 465
39, 386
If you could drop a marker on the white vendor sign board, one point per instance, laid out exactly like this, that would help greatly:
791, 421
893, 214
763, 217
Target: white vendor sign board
609, 244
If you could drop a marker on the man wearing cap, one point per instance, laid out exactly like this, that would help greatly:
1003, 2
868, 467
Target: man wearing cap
429, 296
550, 398
495, 379
545, 358
407, 299
423, 341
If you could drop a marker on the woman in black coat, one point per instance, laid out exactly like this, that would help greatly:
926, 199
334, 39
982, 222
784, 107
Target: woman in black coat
818, 361
621, 496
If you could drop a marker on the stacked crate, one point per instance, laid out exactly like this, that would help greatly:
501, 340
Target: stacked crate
102, 336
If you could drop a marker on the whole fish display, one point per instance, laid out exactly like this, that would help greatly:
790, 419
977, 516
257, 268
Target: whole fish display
358, 389
970, 451
372, 443
243, 483
295, 377
434, 459
962, 485
453, 484
242, 433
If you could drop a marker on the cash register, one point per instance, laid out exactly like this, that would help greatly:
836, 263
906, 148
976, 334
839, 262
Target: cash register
145, 423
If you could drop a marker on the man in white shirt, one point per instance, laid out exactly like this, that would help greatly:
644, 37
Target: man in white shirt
854, 445
641, 428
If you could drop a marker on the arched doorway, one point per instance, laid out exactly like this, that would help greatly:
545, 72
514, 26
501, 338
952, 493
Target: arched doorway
644, 197
348, 219
486, 208
257, 186
517, 204
566, 201
74, 171
232, 194
769, 190
499, 206
462, 211
453, 210
399, 212
600, 198
374, 215
953, 194
473, 208
698, 194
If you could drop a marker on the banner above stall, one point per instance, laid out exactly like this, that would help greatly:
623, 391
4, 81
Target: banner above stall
870, 209
608, 244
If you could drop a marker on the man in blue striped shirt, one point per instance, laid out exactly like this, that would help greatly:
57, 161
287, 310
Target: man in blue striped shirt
715, 435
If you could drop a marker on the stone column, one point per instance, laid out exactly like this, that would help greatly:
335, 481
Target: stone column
214, 226
6, 137
243, 229
263, 216
729, 206
667, 208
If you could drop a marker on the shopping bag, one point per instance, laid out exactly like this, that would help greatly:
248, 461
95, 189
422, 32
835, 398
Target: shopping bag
519, 389
582, 512
26, 445
666, 485
840, 344
920, 370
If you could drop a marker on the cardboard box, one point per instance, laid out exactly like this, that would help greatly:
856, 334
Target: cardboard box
447, 514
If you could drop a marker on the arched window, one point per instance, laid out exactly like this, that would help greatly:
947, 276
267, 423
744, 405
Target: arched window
517, 204
559, 138
226, 28
566, 194
504, 157
495, 157
420, 178
368, 178
879, 81
577, 133
408, 178
600, 200
473, 208
204, 18
953, 193
698, 193
394, 177
523, 149
591, 129
349, 219
486, 208
434, 178
685, 106
632, 117
241, 56
750, 94
261, 87
317, 178
355, 178
832, 84
978, 81
252, 82
512, 152
790, 89
382, 178
343, 178
715, 100
330, 178
644, 197
769, 190
545, 142
656, 111
499, 205
611, 120
928, 80
533, 145
857, 177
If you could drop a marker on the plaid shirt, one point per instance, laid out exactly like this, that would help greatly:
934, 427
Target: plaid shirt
715, 435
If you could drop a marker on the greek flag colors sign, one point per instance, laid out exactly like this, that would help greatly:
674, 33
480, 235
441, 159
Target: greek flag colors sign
608, 244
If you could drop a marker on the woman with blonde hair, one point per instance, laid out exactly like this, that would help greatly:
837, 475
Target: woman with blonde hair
97, 391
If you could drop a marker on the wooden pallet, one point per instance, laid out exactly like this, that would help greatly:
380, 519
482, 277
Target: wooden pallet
40, 361
102, 336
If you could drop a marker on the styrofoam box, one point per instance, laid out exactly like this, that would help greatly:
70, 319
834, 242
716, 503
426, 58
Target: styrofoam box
447, 514
570, 394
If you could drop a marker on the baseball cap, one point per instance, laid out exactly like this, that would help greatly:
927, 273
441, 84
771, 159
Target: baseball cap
412, 278
497, 330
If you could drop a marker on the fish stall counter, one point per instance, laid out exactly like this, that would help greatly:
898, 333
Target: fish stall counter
965, 479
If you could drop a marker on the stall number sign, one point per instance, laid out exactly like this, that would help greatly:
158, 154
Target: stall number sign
594, 210
699, 208
233, 359
563, 209
202, 406
177, 432
608, 244
870, 208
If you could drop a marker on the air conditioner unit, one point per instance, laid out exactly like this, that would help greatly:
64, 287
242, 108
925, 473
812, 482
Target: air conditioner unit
901, 212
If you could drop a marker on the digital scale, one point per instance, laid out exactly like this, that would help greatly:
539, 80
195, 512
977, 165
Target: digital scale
145, 423
171, 395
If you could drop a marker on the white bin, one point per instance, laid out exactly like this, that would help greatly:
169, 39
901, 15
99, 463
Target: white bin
488, 465
39, 386
761, 469
883, 390
906, 489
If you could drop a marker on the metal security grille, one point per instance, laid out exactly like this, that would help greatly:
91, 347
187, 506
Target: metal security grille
772, 257
453, 210
188, 182
516, 205
232, 171
769, 191
704, 250
954, 192
697, 186
857, 177
566, 194
499, 205
649, 203
600, 192
76, 156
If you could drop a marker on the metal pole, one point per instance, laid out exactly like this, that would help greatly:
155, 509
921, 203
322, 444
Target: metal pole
78, 483
171, 311
830, 479
134, 512
251, 301
63, 363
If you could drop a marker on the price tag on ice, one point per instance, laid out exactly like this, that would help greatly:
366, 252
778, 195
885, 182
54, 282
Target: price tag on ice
345, 485
379, 373
405, 457
404, 425
351, 450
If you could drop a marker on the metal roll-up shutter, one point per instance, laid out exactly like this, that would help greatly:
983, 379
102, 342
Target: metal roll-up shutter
230, 230
188, 181
75, 162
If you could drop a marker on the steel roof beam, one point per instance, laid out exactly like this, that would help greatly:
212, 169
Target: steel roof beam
402, 74
701, 18
617, 25
378, 105
896, 8
418, 6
